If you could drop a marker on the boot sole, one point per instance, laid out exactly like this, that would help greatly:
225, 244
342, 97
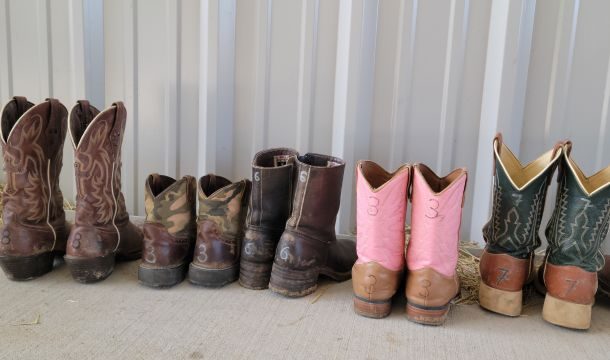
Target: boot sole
90, 270
254, 276
298, 283
23, 268
213, 278
503, 302
372, 309
161, 277
566, 314
427, 315
293, 283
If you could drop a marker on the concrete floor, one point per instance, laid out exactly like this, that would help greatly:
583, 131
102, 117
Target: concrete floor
55, 318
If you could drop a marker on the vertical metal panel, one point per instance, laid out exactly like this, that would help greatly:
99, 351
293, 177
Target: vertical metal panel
121, 66
207, 84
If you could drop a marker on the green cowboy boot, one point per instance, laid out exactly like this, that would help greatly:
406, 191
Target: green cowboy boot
512, 232
577, 228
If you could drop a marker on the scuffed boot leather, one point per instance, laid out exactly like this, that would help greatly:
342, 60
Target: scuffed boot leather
34, 227
519, 194
309, 247
381, 205
273, 173
102, 230
220, 228
575, 233
432, 253
169, 230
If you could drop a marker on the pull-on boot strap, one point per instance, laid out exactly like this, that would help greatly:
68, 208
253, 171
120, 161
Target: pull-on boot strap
53, 130
118, 127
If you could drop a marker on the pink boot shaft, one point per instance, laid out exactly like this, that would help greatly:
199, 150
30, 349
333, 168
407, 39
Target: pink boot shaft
381, 210
435, 222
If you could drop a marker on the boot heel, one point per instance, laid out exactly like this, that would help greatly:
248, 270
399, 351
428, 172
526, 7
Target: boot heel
161, 277
254, 276
293, 283
21, 268
427, 315
566, 314
90, 270
372, 309
503, 302
212, 277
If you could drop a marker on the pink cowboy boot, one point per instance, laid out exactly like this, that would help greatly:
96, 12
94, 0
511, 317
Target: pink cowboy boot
381, 200
432, 252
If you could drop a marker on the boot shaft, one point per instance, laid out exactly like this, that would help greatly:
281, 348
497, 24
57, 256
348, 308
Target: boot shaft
580, 221
223, 203
272, 188
381, 204
32, 145
97, 138
220, 224
435, 219
171, 203
519, 194
317, 195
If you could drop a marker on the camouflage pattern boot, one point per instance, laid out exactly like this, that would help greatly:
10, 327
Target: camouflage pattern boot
575, 233
220, 229
512, 232
34, 226
169, 230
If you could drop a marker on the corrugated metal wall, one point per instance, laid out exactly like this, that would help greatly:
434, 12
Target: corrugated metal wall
209, 83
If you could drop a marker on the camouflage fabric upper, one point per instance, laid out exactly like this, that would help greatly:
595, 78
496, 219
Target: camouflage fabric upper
516, 214
225, 207
174, 207
579, 224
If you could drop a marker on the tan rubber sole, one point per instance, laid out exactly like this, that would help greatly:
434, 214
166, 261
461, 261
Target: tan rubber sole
372, 309
566, 314
427, 315
503, 302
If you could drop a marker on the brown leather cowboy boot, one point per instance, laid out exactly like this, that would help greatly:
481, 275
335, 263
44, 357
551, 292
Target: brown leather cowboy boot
220, 228
270, 203
102, 230
34, 226
308, 247
169, 230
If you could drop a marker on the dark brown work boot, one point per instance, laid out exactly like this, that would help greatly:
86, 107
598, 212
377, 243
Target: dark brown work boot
270, 203
34, 227
169, 230
220, 228
102, 230
308, 247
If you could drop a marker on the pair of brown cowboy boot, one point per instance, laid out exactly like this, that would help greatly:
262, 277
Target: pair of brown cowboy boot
34, 227
290, 228
578, 226
177, 239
